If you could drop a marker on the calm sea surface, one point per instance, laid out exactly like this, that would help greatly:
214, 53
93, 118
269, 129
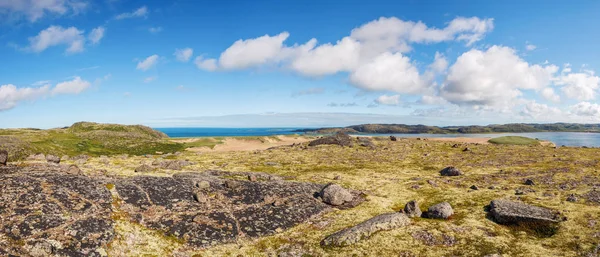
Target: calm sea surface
558, 138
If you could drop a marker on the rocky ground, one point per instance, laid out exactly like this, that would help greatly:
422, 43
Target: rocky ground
336, 196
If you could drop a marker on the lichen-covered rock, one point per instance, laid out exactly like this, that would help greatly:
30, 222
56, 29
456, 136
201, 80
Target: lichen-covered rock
365, 229
71, 169
515, 213
440, 211
366, 142
144, 168
340, 138
52, 158
334, 194
411, 209
3, 157
451, 171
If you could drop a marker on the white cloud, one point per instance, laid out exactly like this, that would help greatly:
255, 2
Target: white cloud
150, 79
147, 63
251, 52
493, 77
582, 86
10, 95
391, 72
34, 10
327, 59
155, 30
530, 47
183, 55
75, 86
206, 64
586, 109
440, 64
388, 100
140, 12
57, 35
96, 35
540, 111
549, 94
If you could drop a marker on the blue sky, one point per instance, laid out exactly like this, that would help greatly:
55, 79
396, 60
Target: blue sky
297, 63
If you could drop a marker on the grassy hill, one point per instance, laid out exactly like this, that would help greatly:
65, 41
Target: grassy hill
87, 138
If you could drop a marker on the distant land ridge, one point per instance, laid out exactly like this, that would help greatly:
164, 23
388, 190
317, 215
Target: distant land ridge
423, 129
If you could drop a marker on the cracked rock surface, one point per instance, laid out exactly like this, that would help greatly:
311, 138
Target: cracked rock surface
46, 211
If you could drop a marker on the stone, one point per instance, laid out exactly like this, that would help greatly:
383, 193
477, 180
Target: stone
3, 157
467, 149
202, 184
144, 168
271, 164
352, 235
411, 209
366, 142
73, 170
393, 138
474, 187
455, 145
65, 158
451, 171
252, 178
529, 182
52, 158
440, 211
572, 198
335, 195
340, 138
518, 213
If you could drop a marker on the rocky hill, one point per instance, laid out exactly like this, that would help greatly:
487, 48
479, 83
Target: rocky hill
423, 129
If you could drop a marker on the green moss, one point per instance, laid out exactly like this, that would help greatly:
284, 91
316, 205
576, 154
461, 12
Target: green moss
514, 140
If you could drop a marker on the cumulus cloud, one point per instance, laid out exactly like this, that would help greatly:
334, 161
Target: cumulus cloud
206, 64
34, 10
183, 55
540, 111
388, 100
392, 72
586, 109
493, 77
96, 35
549, 94
327, 59
582, 86
147, 63
251, 52
310, 91
141, 12
11, 95
530, 47
75, 86
57, 35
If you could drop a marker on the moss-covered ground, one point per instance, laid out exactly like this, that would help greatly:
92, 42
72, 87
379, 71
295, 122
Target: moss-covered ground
391, 175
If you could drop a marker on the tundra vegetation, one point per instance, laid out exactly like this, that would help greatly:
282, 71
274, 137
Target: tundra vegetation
384, 177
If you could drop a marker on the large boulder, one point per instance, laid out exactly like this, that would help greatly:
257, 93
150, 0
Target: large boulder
518, 213
340, 138
52, 158
335, 195
144, 168
365, 229
411, 209
440, 211
451, 171
3, 157
366, 142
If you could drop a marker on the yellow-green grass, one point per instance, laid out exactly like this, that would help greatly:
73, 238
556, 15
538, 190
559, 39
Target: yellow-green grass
514, 140
395, 173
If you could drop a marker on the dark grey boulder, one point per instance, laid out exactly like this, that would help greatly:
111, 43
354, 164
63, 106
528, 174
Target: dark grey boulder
440, 211
340, 138
393, 138
518, 213
3, 157
335, 195
411, 209
352, 235
529, 182
451, 171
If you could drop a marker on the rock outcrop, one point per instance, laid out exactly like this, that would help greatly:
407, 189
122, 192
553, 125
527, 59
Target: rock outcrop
340, 138
518, 213
451, 171
365, 229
